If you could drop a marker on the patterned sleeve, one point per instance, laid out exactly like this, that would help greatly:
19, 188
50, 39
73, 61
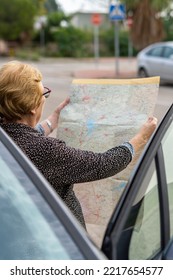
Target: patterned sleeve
77, 166
40, 129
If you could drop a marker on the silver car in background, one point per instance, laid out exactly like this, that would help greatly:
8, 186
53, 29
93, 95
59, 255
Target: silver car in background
156, 60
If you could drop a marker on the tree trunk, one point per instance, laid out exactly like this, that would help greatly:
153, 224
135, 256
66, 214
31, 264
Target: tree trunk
147, 26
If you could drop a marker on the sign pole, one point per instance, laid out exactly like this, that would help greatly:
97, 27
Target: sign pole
96, 20
130, 45
117, 48
96, 43
116, 13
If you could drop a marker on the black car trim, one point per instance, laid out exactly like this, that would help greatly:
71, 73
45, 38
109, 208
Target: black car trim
124, 204
163, 198
77, 233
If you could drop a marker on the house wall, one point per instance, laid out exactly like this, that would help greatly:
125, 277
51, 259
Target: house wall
83, 21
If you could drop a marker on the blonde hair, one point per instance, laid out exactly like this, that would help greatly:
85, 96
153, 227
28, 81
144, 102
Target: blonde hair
20, 89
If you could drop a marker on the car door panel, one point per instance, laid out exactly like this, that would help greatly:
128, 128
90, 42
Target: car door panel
167, 70
155, 66
168, 63
155, 61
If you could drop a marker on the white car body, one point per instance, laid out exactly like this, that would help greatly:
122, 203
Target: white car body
156, 60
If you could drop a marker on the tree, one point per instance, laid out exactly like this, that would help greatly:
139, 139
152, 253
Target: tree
54, 22
17, 18
147, 24
51, 6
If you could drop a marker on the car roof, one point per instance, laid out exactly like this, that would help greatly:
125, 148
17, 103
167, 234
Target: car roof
167, 43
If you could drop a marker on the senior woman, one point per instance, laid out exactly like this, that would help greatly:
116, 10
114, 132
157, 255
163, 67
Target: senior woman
22, 99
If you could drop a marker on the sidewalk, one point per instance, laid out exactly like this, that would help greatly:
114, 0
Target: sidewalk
109, 68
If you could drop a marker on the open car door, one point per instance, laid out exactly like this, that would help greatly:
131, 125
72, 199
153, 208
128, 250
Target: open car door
141, 226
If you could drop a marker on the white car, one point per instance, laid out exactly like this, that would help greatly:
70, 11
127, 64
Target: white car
156, 60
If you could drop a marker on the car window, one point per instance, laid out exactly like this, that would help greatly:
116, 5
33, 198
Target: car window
168, 51
29, 228
142, 228
146, 240
167, 145
157, 51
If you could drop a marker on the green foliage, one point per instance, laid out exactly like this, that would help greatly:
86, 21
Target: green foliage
72, 42
54, 19
27, 54
107, 39
51, 6
69, 40
168, 27
16, 18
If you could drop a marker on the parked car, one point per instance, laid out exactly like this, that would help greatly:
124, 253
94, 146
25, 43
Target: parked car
36, 224
156, 60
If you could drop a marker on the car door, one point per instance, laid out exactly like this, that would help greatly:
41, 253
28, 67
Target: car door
167, 68
35, 223
141, 226
154, 61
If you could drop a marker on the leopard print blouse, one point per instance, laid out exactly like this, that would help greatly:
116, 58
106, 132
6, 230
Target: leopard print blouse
64, 166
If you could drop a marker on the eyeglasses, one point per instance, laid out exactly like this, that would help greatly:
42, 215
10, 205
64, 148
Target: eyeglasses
47, 92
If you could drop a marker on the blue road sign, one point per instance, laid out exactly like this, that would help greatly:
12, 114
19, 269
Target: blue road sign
117, 12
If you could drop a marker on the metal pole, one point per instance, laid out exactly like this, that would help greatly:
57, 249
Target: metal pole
130, 47
42, 39
117, 48
96, 43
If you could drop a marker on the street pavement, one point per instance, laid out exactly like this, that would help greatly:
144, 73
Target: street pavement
109, 68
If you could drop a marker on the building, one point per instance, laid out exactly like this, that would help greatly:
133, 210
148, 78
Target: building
84, 19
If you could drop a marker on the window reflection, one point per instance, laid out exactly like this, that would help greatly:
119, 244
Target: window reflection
29, 229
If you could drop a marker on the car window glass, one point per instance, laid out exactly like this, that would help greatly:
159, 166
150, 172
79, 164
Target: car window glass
29, 229
157, 51
141, 233
167, 145
168, 51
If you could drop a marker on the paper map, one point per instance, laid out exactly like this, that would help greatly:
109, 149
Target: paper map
104, 113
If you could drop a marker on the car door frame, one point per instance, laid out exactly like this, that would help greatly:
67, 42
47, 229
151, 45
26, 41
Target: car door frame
153, 150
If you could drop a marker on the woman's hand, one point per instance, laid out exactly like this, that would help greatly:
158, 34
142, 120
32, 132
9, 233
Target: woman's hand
54, 117
52, 121
148, 128
144, 134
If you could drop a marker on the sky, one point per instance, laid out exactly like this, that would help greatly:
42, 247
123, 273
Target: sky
70, 6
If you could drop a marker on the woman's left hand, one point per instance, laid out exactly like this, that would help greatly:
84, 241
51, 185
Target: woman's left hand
54, 118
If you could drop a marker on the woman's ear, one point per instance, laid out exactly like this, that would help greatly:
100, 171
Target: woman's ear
33, 111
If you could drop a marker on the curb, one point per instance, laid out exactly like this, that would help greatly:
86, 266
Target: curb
103, 74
